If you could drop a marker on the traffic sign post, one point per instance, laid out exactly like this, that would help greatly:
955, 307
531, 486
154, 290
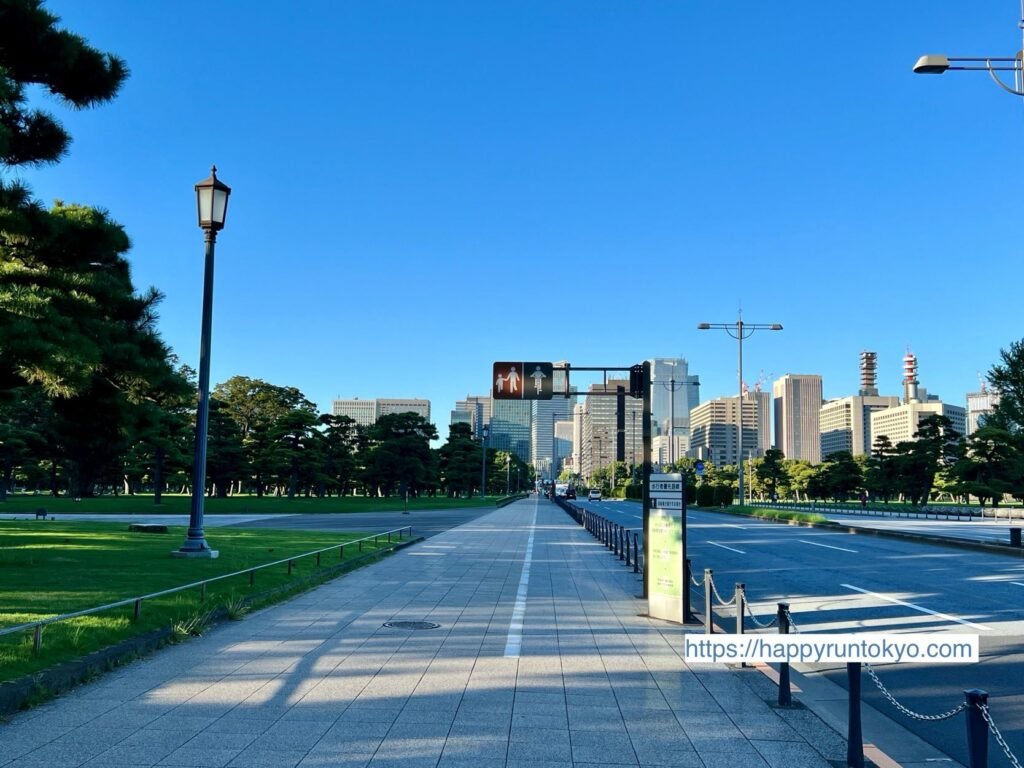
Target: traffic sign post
522, 381
668, 593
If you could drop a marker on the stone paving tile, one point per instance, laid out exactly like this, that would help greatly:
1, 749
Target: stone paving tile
199, 758
790, 755
266, 758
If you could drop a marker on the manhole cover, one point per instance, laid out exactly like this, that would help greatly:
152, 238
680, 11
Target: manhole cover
411, 624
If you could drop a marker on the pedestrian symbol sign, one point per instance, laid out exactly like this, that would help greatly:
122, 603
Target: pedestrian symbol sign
523, 381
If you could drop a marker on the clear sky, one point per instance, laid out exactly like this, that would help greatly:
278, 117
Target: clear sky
422, 188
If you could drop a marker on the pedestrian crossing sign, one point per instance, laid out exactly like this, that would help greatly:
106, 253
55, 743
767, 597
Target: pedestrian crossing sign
522, 381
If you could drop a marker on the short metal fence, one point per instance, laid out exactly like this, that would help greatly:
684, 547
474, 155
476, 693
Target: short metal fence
36, 627
874, 509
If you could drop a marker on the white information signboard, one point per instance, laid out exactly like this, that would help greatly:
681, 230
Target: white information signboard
667, 580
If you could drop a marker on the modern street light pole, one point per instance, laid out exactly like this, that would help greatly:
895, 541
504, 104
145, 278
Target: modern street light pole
740, 330
212, 201
484, 432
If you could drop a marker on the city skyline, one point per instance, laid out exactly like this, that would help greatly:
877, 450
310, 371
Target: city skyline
426, 213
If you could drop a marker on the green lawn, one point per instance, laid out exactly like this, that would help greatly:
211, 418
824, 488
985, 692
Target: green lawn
176, 504
49, 568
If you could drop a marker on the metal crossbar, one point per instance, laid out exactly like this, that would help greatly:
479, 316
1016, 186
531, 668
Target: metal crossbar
34, 625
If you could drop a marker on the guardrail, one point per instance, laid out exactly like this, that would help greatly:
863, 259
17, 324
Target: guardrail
36, 627
624, 543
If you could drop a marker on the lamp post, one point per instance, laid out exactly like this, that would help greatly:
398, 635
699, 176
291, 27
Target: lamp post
740, 330
484, 432
212, 203
937, 64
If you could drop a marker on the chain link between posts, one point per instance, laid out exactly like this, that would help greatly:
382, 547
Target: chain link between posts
998, 736
909, 712
792, 624
760, 624
696, 583
718, 597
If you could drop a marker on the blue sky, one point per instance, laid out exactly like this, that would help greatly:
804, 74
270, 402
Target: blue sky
422, 188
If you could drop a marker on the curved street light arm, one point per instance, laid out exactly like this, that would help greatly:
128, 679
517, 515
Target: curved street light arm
1000, 83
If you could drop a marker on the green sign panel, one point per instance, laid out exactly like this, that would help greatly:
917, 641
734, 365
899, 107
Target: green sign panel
665, 594
522, 381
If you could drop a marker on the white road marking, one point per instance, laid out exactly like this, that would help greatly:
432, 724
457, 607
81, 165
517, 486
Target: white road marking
917, 607
514, 642
827, 546
1018, 583
738, 551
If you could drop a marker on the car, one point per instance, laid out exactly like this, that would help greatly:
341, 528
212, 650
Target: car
570, 493
594, 495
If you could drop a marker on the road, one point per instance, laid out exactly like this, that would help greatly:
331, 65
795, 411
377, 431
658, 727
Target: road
838, 581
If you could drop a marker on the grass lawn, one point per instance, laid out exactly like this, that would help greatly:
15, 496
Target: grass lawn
177, 504
49, 568
766, 513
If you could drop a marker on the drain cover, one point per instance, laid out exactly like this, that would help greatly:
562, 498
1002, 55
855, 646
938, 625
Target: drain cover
411, 624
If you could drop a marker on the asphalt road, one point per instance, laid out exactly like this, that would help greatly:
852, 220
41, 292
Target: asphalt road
844, 582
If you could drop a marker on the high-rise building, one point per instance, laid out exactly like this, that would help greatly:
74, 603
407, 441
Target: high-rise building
563, 446
479, 408
578, 412
845, 423
797, 416
979, 405
674, 393
510, 427
367, 412
761, 404
545, 414
900, 424
599, 433
714, 431
362, 412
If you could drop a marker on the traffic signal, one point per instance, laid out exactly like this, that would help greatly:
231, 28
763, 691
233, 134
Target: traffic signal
636, 381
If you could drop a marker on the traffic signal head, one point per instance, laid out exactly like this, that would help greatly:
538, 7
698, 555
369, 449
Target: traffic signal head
636, 381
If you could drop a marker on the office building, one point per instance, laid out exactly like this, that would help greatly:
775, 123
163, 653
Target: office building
979, 405
900, 424
797, 401
599, 429
563, 447
714, 431
510, 427
674, 393
845, 423
479, 408
545, 414
367, 412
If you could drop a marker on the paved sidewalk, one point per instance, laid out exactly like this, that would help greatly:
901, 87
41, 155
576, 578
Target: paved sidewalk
540, 660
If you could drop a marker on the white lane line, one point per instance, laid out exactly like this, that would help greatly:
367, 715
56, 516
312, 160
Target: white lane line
732, 525
827, 546
738, 551
514, 642
920, 608
1018, 583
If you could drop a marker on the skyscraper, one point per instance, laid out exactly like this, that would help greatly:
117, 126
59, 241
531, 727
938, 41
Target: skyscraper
673, 392
797, 416
510, 427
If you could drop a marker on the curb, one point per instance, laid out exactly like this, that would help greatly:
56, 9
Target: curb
19, 694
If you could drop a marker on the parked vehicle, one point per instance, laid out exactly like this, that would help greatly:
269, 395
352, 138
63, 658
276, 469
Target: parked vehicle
570, 493
594, 495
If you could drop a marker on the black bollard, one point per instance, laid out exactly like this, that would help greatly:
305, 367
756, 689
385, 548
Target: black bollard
977, 729
854, 733
621, 543
709, 586
628, 563
785, 693
636, 554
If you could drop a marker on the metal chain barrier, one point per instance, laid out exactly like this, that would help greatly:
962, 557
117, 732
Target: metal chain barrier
718, 597
696, 583
998, 736
909, 712
792, 624
760, 624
